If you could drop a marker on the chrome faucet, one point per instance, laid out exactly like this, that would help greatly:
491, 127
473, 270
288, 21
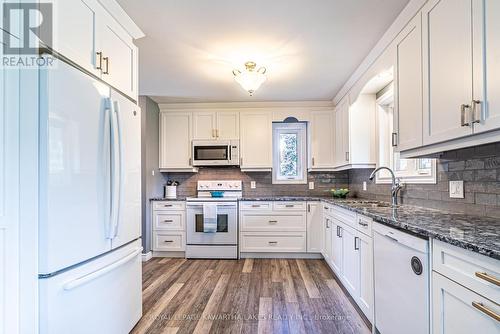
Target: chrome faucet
396, 185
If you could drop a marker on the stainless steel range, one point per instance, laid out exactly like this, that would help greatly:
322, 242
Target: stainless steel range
212, 220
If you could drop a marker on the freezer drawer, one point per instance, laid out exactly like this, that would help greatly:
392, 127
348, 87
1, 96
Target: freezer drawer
101, 296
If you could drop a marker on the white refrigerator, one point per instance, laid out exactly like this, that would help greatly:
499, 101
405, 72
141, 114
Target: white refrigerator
89, 205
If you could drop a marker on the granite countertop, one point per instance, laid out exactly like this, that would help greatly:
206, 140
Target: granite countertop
167, 199
476, 233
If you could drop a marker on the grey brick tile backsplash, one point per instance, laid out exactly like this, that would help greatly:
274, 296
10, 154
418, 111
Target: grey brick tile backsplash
478, 167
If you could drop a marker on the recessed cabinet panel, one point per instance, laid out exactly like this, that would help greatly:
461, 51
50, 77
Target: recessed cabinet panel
322, 139
228, 125
175, 140
486, 25
204, 125
447, 60
256, 140
409, 86
74, 32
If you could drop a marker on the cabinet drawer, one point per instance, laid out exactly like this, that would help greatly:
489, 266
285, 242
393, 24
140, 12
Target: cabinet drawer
345, 215
273, 242
172, 242
364, 225
475, 271
283, 223
296, 206
457, 310
256, 206
168, 220
169, 205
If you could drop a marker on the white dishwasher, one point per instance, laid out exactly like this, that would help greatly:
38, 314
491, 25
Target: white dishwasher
401, 275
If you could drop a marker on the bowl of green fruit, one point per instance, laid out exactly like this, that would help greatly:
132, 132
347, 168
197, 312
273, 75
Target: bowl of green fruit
339, 193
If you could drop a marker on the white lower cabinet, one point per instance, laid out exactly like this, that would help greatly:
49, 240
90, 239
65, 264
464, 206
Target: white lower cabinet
458, 310
169, 226
273, 227
315, 240
327, 237
350, 256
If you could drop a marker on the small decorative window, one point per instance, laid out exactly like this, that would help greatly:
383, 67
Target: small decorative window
289, 153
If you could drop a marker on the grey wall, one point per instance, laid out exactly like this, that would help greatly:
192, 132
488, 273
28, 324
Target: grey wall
152, 185
323, 182
478, 167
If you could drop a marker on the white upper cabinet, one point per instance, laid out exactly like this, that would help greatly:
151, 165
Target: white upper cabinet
208, 125
341, 151
322, 139
175, 140
447, 64
204, 125
119, 57
228, 125
88, 35
75, 34
408, 92
256, 140
486, 28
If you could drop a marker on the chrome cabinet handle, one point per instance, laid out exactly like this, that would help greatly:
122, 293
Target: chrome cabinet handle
476, 111
360, 222
106, 60
273, 222
168, 221
168, 205
394, 139
273, 242
340, 231
327, 221
99, 64
346, 156
308, 207
289, 206
312, 161
486, 310
356, 246
167, 241
255, 206
464, 108
217, 133
488, 278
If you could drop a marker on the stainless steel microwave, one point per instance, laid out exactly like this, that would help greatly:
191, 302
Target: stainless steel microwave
216, 152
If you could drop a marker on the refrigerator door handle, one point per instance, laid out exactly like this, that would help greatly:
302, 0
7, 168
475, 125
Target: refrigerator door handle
109, 195
114, 173
73, 284
119, 142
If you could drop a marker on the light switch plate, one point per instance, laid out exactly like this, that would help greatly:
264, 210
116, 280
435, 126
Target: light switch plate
457, 189
311, 185
364, 185
253, 185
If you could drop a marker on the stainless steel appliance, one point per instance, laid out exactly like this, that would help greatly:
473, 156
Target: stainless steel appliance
216, 152
220, 242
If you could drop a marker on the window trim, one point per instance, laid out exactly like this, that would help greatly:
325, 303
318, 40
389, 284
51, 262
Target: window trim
422, 178
301, 127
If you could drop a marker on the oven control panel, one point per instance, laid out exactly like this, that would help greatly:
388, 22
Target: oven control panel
224, 185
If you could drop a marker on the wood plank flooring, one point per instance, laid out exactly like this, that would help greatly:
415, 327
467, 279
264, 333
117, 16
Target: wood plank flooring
244, 296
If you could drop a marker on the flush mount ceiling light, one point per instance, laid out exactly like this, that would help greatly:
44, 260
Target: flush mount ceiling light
250, 78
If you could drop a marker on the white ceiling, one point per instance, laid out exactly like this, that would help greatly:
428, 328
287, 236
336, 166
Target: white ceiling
309, 47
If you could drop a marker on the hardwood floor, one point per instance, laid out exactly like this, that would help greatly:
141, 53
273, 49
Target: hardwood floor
244, 296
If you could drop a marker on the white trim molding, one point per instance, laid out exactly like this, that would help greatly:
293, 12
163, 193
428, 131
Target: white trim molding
146, 256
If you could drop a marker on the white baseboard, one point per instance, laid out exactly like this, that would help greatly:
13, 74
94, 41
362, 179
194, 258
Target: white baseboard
147, 256
280, 255
169, 254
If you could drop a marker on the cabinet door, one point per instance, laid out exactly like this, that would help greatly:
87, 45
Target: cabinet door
365, 254
204, 125
75, 32
486, 27
228, 125
327, 233
447, 63
315, 233
350, 260
119, 65
337, 248
458, 310
322, 139
256, 140
342, 133
175, 140
408, 122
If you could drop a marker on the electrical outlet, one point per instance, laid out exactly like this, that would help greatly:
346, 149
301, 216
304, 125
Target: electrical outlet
364, 186
253, 185
311, 185
457, 189
153, 172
